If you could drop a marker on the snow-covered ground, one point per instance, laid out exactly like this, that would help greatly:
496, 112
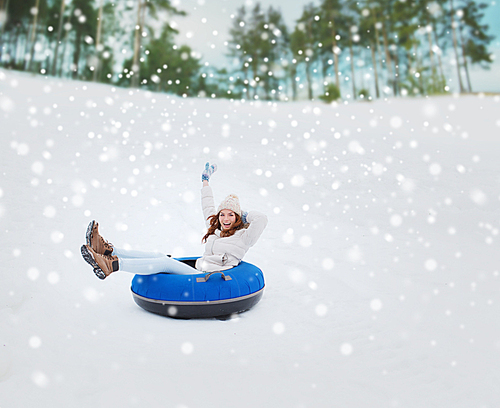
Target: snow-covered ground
381, 255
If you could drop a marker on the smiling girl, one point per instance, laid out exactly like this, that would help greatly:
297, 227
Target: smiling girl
230, 234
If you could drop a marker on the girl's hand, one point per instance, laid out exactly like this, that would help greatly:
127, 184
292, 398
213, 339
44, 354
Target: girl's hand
208, 171
244, 217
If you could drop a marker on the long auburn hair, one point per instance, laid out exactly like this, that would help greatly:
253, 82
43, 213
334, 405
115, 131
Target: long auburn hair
215, 224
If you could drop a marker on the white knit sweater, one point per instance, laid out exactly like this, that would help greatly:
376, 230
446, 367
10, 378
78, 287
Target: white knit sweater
222, 253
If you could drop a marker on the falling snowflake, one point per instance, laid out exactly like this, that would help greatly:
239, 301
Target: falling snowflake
278, 328
346, 349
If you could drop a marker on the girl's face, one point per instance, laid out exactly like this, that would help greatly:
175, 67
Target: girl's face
227, 218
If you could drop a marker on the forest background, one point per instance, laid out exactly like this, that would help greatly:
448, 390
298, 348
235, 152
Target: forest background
269, 49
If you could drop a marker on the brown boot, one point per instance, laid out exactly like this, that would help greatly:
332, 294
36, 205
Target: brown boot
96, 242
103, 265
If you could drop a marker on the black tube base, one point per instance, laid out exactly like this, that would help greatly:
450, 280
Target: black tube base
220, 310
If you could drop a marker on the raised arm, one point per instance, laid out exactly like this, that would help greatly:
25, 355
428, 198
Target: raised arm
207, 197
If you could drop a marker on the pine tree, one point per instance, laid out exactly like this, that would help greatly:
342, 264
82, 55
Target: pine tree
332, 24
257, 47
4, 16
239, 45
83, 21
407, 29
39, 13
368, 40
62, 7
453, 25
384, 26
351, 14
147, 9
473, 36
15, 27
169, 68
279, 43
304, 41
98, 46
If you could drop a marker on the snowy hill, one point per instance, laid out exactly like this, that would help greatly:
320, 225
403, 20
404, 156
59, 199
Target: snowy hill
381, 253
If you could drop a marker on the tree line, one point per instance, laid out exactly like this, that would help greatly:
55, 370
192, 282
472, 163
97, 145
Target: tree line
360, 47
350, 49
128, 43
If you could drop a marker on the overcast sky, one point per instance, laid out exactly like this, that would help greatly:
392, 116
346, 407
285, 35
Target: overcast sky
207, 25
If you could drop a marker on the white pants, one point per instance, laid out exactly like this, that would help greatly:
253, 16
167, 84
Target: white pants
148, 263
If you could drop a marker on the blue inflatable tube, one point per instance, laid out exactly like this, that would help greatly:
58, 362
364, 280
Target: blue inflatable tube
216, 294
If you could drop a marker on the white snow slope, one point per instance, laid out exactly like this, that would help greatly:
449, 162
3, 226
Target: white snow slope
381, 253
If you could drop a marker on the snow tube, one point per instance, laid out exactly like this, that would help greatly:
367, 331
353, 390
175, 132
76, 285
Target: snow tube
215, 294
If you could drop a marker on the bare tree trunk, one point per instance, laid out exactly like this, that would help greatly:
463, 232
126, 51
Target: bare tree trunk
433, 65
15, 45
97, 67
464, 58
4, 7
388, 59
375, 72
293, 72
25, 46
336, 51
377, 42
396, 74
440, 61
255, 75
245, 82
283, 82
76, 54
137, 45
351, 53
59, 32
409, 65
6, 44
64, 49
33, 36
267, 86
418, 62
309, 80
455, 46
308, 64
324, 71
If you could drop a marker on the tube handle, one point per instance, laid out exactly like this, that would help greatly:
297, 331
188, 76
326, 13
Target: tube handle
207, 276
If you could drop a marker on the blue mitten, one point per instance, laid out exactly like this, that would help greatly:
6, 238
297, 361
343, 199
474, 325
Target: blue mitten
244, 215
209, 170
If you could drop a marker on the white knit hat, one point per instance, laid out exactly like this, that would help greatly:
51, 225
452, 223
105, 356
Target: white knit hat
231, 202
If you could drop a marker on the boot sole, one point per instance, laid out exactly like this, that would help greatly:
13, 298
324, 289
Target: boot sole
88, 235
91, 261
